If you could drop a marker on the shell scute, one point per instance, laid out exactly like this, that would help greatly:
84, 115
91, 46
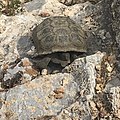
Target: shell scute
58, 34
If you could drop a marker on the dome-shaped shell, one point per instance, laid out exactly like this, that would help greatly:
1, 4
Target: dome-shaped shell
58, 34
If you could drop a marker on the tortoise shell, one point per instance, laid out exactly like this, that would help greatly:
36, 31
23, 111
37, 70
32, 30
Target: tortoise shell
58, 34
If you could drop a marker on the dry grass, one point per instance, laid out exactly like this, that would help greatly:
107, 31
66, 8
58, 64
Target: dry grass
10, 7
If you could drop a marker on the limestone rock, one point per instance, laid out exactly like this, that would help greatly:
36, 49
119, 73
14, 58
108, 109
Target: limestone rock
71, 94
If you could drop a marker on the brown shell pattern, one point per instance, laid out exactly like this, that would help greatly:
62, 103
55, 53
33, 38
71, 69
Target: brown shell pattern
58, 34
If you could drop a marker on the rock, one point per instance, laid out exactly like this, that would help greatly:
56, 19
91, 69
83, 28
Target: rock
32, 72
1, 74
59, 90
82, 90
114, 98
34, 5
26, 62
72, 2
114, 82
44, 72
49, 94
1, 54
76, 110
40, 101
94, 109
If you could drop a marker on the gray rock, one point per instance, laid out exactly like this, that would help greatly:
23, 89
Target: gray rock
41, 100
63, 95
113, 96
34, 5
38, 97
114, 82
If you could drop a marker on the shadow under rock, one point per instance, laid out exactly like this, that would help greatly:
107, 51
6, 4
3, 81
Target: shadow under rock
94, 44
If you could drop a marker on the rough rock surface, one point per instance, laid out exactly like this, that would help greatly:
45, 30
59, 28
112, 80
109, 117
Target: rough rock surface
87, 89
49, 94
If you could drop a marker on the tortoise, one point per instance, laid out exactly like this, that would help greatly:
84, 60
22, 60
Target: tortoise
58, 39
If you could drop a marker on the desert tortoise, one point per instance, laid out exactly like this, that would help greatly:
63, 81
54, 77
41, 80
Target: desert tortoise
57, 38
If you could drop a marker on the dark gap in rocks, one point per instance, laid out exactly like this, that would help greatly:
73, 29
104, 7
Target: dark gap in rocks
15, 80
103, 104
55, 62
106, 22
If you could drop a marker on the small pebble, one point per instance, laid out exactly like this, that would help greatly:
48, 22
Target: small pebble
109, 69
44, 14
59, 96
59, 90
98, 67
26, 62
29, 70
44, 72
